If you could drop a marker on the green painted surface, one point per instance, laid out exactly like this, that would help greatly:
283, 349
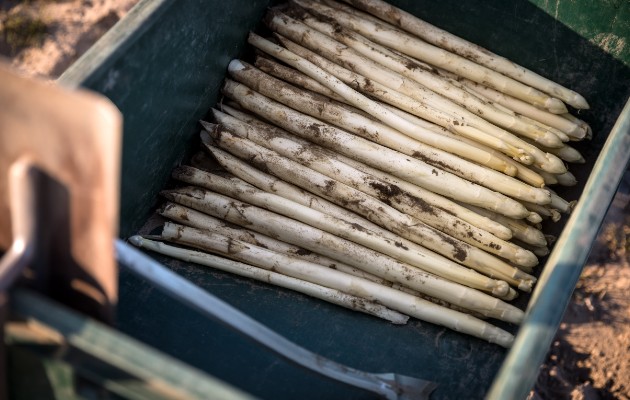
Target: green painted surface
93, 361
604, 23
33, 377
163, 68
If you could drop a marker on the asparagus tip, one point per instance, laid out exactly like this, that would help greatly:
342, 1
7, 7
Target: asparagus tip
513, 315
525, 286
524, 157
555, 106
526, 258
208, 126
579, 132
550, 139
553, 165
136, 240
501, 288
236, 65
579, 102
512, 294
510, 170
555, 215
168, 194
551, 239
252, 36
206, 138
502, 338
534, 218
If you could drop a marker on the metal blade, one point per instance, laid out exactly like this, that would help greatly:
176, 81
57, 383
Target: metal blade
391, 386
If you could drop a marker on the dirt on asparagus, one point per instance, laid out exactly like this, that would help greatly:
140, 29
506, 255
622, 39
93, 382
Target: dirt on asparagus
590, 357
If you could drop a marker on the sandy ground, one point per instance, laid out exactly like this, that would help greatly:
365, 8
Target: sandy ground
590, 357
72, 26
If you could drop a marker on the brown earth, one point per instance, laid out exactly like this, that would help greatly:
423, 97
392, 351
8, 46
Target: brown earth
42, 37
590, 357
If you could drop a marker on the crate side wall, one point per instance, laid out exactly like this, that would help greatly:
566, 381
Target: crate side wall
164, 77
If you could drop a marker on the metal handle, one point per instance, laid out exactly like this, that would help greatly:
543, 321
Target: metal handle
389, 385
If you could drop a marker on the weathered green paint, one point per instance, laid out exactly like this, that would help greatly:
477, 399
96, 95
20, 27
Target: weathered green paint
163, 67
35, 377
604, 23
91, 352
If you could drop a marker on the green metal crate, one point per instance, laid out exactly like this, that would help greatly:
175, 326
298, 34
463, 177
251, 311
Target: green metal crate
163, 66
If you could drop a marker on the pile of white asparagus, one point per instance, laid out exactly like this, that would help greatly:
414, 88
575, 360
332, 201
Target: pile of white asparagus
377, 162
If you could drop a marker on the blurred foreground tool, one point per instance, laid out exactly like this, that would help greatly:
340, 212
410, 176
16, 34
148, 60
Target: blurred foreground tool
59, 180
59, 171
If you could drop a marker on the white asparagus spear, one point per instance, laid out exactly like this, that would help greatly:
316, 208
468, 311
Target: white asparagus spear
459, 148
314, 106
371, 153
426, 78
566, 179
333, 296
550, 179
392, 37
520, 229
579, 122
297, 78
566, 153
539, 251
195, 219
385, 94
335, 51
272, 184
400, 249
544, 211
464, 48
376, 211
563, 137
391, 298
556, 121
433, 106
521, 171
439, 302
411, 208
318, 241
561, 204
